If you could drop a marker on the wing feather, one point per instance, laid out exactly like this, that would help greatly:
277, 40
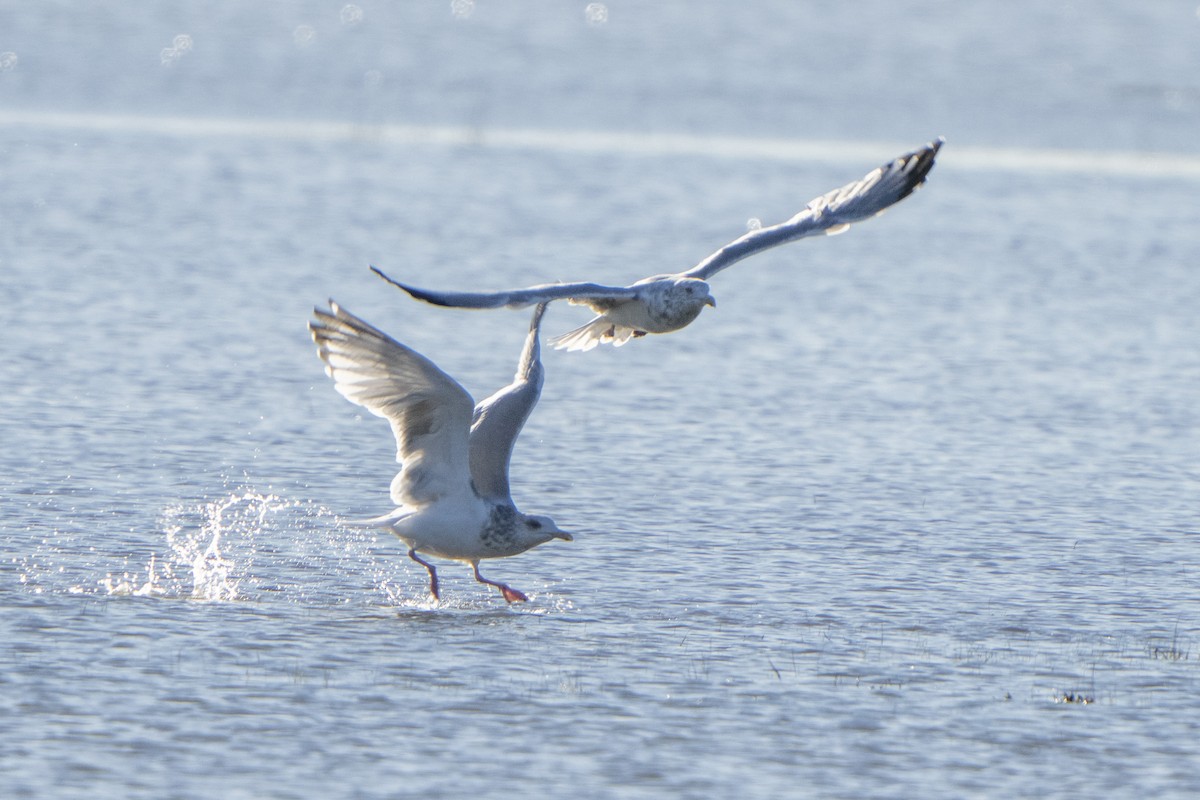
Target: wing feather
499, 418
581, 293
833, 211
430, 413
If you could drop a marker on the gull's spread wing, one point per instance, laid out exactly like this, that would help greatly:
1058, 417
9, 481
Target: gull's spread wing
589, 294
429, 411
499, 419
833, 212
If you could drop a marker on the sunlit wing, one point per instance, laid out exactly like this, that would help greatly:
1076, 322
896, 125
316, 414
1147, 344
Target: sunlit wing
832, 212
430, 413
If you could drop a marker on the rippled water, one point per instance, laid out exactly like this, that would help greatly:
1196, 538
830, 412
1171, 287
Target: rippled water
913, 512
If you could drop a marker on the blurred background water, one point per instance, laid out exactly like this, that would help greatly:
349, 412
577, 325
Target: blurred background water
913, 512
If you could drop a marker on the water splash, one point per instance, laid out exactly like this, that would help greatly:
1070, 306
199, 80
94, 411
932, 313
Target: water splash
220, 553
130, 584
211, 550
253, 546
243, 545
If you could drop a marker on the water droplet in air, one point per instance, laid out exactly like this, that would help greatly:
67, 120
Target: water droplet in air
753, 224
462, 8
179, 45
8, 61
304, 35
351, 15
596, 13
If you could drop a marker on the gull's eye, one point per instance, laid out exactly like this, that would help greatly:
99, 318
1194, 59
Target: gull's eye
534, 525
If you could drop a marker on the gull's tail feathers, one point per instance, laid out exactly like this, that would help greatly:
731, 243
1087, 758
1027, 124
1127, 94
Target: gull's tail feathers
598, 331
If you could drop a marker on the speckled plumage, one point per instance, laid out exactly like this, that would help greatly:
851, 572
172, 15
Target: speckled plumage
665, 303
452, 491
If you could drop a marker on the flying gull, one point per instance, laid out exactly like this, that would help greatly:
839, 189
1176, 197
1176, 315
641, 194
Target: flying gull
452, 491
665, 303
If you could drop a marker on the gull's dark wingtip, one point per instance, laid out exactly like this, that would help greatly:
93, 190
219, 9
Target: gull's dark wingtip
419, 294
919, 163
322, 314
926, 156
392, 281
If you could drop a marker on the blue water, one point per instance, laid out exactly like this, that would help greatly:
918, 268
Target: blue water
913, 512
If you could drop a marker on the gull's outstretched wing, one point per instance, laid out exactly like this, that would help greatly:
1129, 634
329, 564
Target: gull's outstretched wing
499, 419
588, 294
833, 212
429, 411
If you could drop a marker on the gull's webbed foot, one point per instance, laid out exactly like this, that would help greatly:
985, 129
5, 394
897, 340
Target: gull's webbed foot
510, 594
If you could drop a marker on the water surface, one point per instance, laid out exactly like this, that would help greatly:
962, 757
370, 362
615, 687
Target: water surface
912, 512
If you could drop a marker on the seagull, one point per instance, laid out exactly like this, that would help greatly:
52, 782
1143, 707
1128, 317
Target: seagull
452, 491
665, 303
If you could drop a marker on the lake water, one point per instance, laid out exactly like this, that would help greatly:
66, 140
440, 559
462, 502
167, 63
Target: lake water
914, 512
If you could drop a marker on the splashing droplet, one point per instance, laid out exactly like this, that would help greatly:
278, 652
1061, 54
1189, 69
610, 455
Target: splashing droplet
179, 45
596, 13
304, 35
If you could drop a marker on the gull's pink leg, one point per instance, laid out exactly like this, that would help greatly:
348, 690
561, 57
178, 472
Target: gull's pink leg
510, 594
433, 584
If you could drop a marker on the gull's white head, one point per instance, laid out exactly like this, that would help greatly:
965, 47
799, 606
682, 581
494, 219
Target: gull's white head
536, 529
693, 292
678, 302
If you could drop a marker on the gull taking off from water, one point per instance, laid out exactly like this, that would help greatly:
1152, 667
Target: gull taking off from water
665, 303
452, 491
